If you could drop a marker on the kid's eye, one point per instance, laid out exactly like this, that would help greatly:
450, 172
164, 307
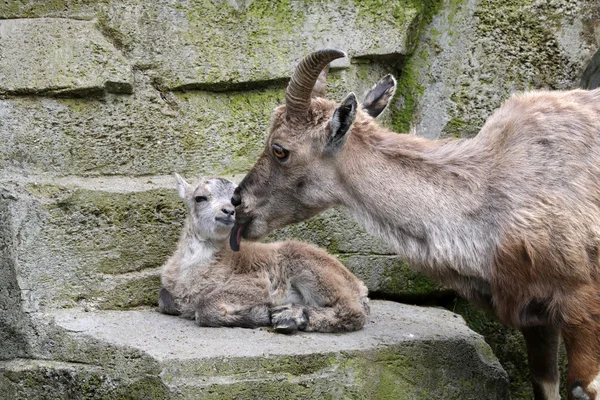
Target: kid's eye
279, 152
200, 199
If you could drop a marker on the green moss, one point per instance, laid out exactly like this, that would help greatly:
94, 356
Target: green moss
49, 8
94, 234
410, 90
409, 87
296, 365
34, 379
455, 127
419, 370
516, 42
516, 27
116, 37
228, 129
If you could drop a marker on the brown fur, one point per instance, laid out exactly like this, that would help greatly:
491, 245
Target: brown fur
510, 218
287, 285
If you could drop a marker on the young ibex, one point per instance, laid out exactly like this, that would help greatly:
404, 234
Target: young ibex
287, 285
510, 218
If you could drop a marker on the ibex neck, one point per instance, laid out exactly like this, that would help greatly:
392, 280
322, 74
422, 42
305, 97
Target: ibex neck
195, 250
423, 196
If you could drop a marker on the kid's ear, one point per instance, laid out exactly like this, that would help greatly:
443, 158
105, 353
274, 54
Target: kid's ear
340, 123
182, 186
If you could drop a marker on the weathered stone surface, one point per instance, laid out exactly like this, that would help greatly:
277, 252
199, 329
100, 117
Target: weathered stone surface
26, 379
59, 56
337, 231
218, 45
474, 54
14, 323
403, 352
75, 9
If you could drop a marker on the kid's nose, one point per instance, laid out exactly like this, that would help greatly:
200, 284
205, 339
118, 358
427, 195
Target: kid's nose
228, 211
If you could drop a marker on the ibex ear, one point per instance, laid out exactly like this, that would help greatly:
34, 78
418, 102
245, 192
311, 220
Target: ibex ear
321, 84
378, 98
182, 186
340, 123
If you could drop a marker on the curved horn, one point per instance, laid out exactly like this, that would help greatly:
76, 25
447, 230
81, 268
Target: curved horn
298, 92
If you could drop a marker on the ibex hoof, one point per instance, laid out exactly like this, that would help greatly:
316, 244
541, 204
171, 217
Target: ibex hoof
579, 394
288, 319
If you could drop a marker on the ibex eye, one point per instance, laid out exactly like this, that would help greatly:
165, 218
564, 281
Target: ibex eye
280, 152
200, 199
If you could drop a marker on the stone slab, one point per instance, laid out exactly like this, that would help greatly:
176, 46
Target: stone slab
405, 351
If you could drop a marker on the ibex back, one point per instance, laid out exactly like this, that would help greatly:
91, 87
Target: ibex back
510, 218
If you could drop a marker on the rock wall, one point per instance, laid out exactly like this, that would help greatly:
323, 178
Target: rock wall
102, 100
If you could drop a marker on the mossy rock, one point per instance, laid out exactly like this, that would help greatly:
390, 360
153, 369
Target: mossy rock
471, 56
38, 379
94, 248
152, 132
190, 46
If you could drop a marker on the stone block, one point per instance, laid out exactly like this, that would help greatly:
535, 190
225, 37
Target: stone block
224, 45
60, 57
78, 243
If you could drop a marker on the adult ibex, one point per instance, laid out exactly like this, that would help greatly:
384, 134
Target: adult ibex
510, 218
289, 285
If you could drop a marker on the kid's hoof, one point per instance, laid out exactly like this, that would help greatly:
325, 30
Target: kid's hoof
288, 319
286, 327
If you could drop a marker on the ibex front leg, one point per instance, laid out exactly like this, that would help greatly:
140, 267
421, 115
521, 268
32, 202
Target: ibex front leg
542, 351
581, 334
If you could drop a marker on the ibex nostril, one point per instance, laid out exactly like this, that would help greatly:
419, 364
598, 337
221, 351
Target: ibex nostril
236, 200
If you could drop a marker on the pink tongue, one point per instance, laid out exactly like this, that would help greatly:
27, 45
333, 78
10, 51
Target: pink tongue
235, 237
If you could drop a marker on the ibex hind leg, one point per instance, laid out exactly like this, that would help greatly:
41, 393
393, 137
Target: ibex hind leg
340, 318
218, 310
344, 317
542, 352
